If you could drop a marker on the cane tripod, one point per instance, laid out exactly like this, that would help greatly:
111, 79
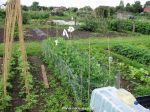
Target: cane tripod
13, 15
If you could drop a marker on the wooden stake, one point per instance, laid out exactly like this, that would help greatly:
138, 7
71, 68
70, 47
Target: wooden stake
44, 76
22, 45
118, 80
81, 83
89, 70
5, 61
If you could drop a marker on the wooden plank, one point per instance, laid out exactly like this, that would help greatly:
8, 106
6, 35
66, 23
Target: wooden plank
44, 76
118, 81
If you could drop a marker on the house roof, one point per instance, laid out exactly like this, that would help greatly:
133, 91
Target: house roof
147, 9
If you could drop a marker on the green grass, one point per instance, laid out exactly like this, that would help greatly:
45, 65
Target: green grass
142, 40
32, 48
67, 16
102, 44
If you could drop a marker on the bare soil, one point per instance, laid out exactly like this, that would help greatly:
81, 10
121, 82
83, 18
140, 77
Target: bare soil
1, 64
36, 71
32, 35
14, 91
1, 35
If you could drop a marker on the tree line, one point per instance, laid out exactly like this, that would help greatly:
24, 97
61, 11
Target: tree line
136, 7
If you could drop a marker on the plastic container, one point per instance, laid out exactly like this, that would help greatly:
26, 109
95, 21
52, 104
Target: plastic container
108, 99
144, 101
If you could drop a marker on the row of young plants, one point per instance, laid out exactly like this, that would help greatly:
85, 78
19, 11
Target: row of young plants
72, 63
31, 98
60, 97
63, 82
5, 101
134, 53
16, 68
63, 72
137, 76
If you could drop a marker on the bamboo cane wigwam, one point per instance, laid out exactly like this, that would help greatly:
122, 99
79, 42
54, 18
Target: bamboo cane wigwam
13, 15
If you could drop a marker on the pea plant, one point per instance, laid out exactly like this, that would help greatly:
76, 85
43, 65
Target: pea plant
71, 62
31, 99
5, 101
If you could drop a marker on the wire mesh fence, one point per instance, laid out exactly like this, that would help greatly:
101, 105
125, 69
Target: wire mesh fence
76, 73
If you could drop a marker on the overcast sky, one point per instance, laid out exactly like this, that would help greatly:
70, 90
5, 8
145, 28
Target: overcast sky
76, 3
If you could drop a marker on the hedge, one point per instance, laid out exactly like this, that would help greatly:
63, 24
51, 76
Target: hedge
127, 25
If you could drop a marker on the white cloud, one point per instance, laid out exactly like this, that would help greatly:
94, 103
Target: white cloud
76, 3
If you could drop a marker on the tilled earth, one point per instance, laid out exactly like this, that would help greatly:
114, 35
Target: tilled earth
41, 34
1, 35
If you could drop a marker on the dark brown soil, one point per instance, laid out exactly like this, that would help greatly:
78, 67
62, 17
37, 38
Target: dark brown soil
1, 64
16, 100
36, 63
1, 35
36, 71
33, 35
126, 85
14, 91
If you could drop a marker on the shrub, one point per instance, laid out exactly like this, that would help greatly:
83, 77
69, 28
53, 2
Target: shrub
141, 90
93, 25
26, 18
2, 14
127, 25
89, 25
38, 14
57, 13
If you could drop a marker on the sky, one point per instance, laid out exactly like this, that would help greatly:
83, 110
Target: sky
76, 3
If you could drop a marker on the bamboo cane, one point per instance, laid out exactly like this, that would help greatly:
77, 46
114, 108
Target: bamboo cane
5, 62
22, 45
81, 83
89, 70
13, 11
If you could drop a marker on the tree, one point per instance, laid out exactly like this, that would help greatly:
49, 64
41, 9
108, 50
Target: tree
35, 6
137, 7
129, 7
72, 9
121, 6
112, 11
87, 10
50, 8
147, 4
25, 8
102, 11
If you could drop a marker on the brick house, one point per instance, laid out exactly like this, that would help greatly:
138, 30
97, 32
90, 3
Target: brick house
147, 9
